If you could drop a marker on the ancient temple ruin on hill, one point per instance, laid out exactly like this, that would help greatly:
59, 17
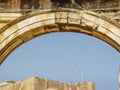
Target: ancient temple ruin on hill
36, 83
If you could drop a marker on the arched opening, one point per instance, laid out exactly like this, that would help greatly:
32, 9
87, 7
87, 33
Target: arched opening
60, 56
35, 24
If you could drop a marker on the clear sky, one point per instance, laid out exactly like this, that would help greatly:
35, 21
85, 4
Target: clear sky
63, 57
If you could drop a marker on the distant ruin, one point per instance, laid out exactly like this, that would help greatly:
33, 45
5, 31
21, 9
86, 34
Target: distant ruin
36, 83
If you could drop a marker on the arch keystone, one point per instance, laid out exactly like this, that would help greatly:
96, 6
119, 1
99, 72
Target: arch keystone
38, 23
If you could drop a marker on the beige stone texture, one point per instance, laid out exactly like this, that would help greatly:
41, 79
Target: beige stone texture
22, 28
36, 83
6, 17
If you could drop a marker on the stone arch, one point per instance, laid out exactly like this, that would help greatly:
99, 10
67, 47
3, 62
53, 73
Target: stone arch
38, 23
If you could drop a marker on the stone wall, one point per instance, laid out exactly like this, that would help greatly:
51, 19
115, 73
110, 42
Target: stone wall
35, 83
41, 4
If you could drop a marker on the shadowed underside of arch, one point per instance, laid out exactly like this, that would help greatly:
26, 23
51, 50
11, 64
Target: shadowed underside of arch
38, 23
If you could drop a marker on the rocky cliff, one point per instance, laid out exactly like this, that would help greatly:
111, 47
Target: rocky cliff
36, 83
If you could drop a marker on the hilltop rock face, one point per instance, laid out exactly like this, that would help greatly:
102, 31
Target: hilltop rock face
36, 83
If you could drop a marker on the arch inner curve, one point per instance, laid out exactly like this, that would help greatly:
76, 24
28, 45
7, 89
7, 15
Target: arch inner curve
38, 23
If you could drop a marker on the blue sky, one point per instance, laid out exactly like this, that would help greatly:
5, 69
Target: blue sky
63, 57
